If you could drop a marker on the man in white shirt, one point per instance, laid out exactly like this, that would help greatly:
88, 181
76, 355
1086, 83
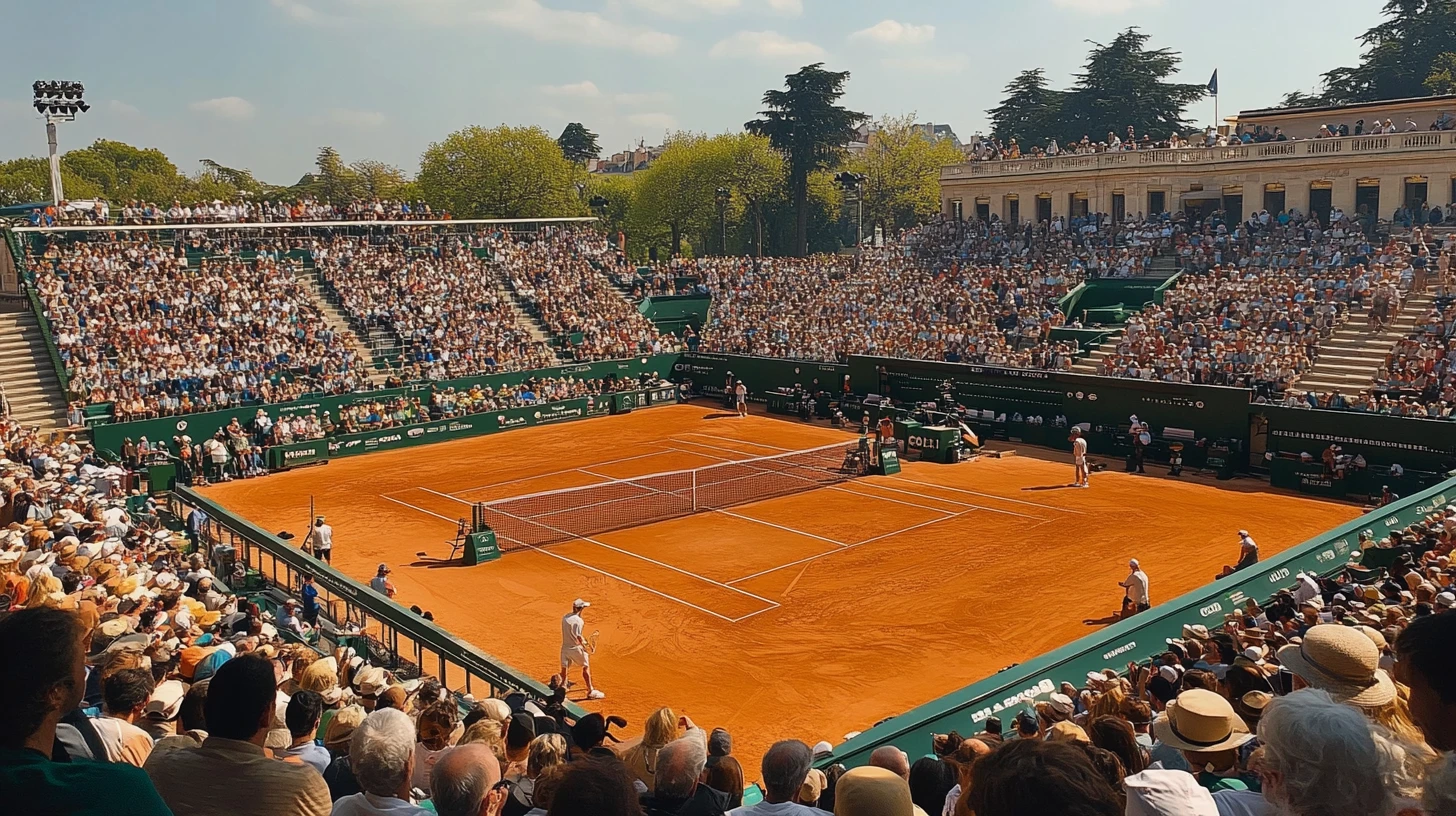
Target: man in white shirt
740, 393
323, 540
573, 650
784, 767
1136, 589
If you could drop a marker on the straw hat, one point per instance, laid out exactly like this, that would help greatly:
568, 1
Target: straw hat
1201, 720
871, 791
1343, 661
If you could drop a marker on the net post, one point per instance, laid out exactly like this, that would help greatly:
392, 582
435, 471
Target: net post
695, 491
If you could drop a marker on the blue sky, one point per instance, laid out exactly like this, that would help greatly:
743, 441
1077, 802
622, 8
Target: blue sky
263, 83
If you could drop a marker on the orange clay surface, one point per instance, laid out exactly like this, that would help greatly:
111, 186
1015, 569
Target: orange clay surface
807, 616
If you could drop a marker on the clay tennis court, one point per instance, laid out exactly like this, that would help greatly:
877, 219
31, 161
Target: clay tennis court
809, 615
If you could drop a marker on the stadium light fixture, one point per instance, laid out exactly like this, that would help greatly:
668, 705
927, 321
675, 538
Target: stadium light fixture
58, 101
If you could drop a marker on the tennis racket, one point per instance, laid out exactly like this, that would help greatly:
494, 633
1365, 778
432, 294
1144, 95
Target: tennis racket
591, 642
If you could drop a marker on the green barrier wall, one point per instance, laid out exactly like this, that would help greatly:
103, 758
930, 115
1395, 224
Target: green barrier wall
1419, 444
1209, 411
1138, 638
202, 425
468, 425
760, 375
419, 630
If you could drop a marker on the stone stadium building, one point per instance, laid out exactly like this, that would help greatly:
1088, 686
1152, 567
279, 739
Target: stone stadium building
1371, 173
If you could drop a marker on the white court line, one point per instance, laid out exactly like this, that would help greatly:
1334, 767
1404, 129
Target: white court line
751, 614
422, 510
843, 489
566, 470
781, 527
445, 496
742, 441
947, 501
642, 587
848, 547
994, 496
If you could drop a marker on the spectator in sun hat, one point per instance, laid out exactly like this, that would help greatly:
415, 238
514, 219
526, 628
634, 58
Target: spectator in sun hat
1341, 661
1205, 728
1158, 792
871, 791
590, 732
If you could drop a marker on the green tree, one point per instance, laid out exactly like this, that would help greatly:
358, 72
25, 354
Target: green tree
379, 180
28, 180
122, 172
804, 123
1124, 83
1401, 54
756, 177
503, 172
335, 181
675, 196
901, 166
242, 181
1029, 112
578, 144
620, 191
1442, 79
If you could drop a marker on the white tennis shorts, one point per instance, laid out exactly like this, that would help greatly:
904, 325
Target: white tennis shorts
574, 656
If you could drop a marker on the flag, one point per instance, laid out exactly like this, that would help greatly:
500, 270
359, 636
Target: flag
1213, 83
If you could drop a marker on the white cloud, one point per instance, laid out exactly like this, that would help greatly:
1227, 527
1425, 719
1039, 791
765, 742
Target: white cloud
788, 8
120, 108
585, 89
655, 121
359, 119
894, 32
765, 45
545, 24
1105, 6
226, 107
298, 11
633, 100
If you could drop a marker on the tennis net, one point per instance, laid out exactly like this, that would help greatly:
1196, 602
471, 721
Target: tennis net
577, 512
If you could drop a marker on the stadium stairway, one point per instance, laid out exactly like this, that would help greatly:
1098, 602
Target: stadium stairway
1349, 359
26, 374
525, 315
381, 345
1092, 360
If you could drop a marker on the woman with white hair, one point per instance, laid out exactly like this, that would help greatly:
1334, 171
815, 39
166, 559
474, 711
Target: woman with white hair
382, 756
1321, 758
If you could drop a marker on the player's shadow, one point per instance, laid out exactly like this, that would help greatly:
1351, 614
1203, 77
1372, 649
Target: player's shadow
720, 415
1105, 621
423, 559
1051, 487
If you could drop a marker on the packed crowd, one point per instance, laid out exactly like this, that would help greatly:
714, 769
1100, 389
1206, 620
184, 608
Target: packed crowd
217, 211
951, 290
136, 682
441, 301
138, 327
993, 148
565, 277
1266, 292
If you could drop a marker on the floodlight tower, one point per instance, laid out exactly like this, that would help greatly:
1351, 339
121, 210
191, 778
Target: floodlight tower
58, 101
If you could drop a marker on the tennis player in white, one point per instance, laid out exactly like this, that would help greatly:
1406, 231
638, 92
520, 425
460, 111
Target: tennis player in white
1079, 458
573, 649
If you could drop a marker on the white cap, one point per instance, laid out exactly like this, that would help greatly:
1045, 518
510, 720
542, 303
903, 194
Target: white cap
1446, 599
1243, 534
1132, 562
823, 747
579, 604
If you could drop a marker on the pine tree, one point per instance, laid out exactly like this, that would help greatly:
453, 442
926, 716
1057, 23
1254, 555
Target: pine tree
1124, 83
1029, 111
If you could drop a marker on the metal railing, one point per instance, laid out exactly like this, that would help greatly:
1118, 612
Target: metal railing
1207, 156
407, 638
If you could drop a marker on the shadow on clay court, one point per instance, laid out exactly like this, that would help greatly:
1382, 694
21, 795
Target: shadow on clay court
720, 415
428, 561
1051, 487
1105, 621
